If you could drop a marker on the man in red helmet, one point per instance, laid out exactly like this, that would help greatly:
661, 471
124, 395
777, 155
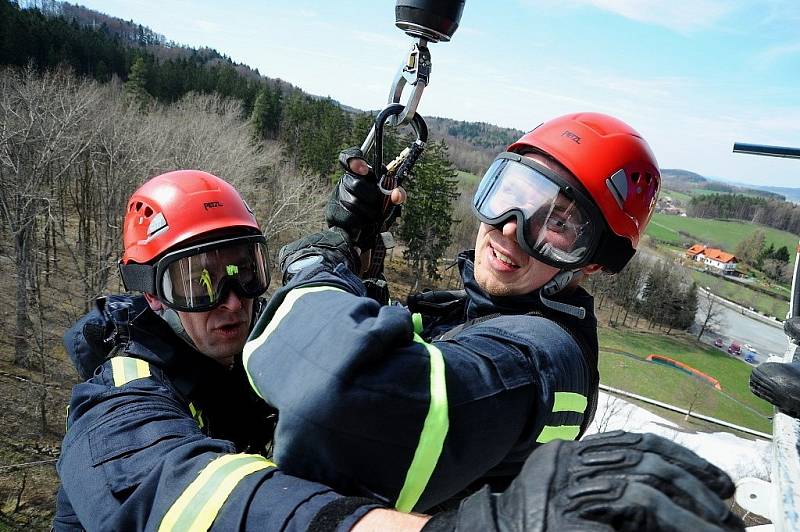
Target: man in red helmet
156, 434
413, 408
165, 433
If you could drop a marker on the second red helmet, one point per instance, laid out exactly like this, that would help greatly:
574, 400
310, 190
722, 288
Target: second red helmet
610, 159
172, 208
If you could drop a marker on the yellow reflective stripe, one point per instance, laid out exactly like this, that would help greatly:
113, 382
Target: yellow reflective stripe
288, 302
431, 440
126, 369
564, 432
416, 320
197, 415
200, 502
570, 402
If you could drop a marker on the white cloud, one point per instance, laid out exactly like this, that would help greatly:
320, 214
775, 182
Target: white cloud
774, 54
677, 15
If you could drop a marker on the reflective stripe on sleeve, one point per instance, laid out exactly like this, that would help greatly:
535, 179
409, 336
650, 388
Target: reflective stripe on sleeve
416, 319
288, 302
563, 432
570, 402
127, 369
434, 432
200, 502
564, 402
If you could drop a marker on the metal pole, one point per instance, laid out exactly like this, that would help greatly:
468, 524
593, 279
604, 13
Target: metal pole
769, 151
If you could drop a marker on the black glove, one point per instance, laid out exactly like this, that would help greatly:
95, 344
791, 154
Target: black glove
612, 481
331, 247
356, 203
778, 383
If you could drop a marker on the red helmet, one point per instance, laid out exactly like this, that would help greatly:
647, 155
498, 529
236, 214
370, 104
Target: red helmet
172, 208
613, 163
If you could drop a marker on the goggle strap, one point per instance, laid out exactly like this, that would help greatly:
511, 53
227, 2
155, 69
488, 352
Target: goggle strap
138, 277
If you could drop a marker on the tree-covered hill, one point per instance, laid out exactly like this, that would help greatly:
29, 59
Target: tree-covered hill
691, 182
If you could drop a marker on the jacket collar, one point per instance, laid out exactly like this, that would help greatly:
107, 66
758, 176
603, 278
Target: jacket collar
481, 304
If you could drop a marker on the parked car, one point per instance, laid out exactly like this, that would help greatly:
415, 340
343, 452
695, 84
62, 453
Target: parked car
750, 355
735, 349
718, 342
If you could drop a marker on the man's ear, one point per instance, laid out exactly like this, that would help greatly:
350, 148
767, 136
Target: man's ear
591, 269
155, 304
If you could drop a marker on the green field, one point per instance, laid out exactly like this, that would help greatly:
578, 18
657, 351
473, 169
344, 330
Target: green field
769, 306
636, 375
680, 197
724, 233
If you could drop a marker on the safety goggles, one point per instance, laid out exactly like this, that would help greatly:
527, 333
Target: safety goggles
556, 222
199, 278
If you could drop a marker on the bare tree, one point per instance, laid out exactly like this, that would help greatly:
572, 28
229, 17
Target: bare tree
710, 312
40, 139
611, 411
697, 394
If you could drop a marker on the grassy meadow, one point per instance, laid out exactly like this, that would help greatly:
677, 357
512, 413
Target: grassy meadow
724, 233
631, 372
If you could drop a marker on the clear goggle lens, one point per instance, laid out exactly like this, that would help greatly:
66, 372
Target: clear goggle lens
199, 278
554, 222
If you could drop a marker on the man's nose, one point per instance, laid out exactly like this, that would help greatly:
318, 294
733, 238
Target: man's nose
232, 301
509, 228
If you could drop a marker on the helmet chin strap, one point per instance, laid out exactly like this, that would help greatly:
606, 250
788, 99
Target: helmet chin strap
556, 285
174, 321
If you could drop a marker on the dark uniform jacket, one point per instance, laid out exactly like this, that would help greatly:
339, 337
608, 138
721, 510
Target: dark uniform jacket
162, 437
369, 405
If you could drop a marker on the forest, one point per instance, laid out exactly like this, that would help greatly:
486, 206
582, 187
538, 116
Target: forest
774, 213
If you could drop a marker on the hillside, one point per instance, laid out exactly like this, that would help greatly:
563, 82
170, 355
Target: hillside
691, 182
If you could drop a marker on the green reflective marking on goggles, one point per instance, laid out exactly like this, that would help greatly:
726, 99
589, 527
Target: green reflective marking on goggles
232, 270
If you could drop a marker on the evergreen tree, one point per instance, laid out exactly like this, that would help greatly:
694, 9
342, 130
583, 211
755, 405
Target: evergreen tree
266, 116
782, 255
136, 86
766, 253
427, 216
689, 306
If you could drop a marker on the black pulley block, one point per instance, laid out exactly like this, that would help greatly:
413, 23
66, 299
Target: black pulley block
435, 20
778, 383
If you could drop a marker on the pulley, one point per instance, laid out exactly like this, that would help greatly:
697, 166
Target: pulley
433, 20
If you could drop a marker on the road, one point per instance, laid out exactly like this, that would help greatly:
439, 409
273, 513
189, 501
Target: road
734, 326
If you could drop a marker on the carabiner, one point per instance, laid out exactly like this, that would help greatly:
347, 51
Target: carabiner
416, 72
399, 171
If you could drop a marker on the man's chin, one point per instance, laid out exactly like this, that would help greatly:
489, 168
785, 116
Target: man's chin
492, 285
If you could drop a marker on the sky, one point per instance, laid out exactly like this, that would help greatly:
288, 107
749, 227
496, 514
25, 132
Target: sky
692, 76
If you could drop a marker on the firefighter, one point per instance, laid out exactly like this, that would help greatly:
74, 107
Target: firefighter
423, 406
165, 433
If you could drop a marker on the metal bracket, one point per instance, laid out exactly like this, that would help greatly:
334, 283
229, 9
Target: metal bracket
416, 73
